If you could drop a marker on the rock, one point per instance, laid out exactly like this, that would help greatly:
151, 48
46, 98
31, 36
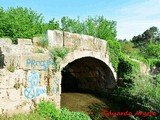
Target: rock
36, 40
24, 41
5, 41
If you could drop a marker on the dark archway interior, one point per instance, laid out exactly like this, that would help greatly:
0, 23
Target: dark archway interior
87, 75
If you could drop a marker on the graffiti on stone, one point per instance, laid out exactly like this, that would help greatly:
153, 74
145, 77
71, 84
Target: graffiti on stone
33, 78
29, 92
44, 64
33, 90
55, 89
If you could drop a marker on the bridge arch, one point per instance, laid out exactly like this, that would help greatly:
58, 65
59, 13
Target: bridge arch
87, 70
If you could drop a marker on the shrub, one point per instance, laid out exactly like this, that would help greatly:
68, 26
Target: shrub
127, 68
58, 53
67, 115
114, 52
47, 109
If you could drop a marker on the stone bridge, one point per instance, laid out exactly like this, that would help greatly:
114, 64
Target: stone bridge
87, 64
27, 77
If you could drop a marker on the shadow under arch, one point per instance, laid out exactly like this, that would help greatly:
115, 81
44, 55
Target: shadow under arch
87, 74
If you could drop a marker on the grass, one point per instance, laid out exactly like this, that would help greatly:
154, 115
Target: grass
31, 116
39, 51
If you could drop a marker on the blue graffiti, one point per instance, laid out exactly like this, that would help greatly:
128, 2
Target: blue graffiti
55, 90
42, 63
33, 90
33, 78
29, 92
40, 91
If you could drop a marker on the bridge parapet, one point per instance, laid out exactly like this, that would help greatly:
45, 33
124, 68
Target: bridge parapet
76, 41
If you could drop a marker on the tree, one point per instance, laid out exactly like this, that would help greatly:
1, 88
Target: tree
52, 24
141, 41
2, 22
128, 48
21, 22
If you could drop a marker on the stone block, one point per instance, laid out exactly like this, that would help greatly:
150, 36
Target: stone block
100, 45
36, 40
71, 40
24, 41
5, 41
55, 38
87, 42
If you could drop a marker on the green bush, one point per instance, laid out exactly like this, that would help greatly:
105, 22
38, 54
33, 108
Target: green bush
58, 53
47, 109
114, 53
67, 115
143, 95
127, 68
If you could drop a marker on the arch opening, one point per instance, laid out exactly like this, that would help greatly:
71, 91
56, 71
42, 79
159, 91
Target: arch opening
87, 74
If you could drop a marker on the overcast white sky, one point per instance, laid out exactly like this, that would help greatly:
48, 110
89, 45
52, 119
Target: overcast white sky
133, 16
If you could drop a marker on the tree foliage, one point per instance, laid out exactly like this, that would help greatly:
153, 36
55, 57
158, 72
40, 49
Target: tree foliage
97, 27
128, 48
20, 22
151, 34
152, 50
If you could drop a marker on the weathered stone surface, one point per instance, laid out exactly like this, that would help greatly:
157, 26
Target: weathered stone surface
87, 43
100, 45
36, 40
5, 48
75, 41
14, 94
55, 38
24, 41
11, 60
5, 41
71, 40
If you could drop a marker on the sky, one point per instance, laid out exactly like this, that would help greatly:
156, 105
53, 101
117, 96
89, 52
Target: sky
133, 17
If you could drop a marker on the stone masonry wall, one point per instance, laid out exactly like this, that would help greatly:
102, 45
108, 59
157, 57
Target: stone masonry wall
25, 77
